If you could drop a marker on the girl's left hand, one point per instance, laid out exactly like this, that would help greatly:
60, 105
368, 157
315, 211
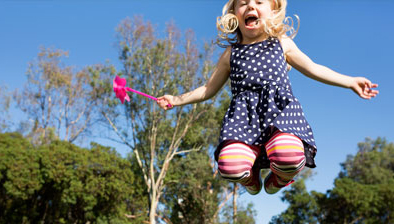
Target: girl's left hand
364, 88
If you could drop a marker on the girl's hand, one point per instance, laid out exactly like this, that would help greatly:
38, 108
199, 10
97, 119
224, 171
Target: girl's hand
363, 87
166, 100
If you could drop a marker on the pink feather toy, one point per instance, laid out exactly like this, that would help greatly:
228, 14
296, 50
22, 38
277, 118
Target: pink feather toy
120, 89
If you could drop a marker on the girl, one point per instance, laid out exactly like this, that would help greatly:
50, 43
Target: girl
264, 126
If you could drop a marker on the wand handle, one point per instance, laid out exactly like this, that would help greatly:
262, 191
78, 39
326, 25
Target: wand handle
146, 95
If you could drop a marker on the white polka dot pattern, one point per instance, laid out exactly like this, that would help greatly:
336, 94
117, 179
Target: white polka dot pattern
262, 97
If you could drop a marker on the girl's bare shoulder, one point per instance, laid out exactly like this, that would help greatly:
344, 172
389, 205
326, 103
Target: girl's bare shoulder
287, 43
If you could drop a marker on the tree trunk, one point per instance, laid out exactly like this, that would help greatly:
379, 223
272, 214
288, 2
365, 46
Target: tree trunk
235, 196
152, 212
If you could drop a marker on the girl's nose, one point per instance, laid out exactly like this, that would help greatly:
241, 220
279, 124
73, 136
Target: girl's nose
251, 5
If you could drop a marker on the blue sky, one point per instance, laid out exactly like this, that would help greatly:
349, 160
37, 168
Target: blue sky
349, 36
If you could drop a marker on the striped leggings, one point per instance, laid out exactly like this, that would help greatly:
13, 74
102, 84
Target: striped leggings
285, 153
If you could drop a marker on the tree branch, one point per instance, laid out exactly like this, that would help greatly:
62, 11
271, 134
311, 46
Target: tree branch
187, 151
135, 150
227, 197
81, 129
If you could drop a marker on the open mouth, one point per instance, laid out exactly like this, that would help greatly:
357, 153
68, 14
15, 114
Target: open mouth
251, 21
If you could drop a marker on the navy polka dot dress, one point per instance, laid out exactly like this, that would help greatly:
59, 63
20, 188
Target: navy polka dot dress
263, 99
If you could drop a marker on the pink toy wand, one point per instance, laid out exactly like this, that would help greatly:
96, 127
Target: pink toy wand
120, 89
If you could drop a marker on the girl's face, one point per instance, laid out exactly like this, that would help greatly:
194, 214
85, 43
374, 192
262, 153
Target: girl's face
249, 14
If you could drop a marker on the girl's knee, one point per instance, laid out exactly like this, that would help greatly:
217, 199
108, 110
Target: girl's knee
286, 154
235, 161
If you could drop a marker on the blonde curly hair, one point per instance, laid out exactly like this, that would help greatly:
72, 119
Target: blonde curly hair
278, 25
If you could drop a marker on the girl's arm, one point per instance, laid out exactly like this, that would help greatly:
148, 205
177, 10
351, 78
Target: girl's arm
202, 93
296, 58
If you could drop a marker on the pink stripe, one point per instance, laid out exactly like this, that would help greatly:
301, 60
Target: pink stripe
285, 151
234, 163
240, 170
237, 150
273, 142
292, 159
239, 167
236, 154
234, 146
289, 149
284, 142
231, 147
286, 154
235, 159
237, 163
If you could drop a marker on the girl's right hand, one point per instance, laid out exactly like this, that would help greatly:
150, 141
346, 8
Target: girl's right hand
166, 102
364, 88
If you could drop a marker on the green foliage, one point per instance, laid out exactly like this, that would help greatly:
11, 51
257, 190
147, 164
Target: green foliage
62, 183
20, 165
244, 215
192, 189
303, 206
362, 193
374, 163
44, 179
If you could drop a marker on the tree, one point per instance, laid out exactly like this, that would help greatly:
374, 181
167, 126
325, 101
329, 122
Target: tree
62, 102
191, 194
363, 192
244, 215
303, 207
66, 103
5, 101
63, 183
158, 66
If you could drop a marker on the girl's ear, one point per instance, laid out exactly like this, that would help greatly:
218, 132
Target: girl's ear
275, 7
273, 4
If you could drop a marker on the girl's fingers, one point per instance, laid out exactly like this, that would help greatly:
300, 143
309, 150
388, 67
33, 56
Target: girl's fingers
368, 94
373, 92
164, 103
161, 103
365, 88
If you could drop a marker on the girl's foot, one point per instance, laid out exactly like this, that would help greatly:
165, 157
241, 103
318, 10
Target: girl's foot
254, 185
271, 185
